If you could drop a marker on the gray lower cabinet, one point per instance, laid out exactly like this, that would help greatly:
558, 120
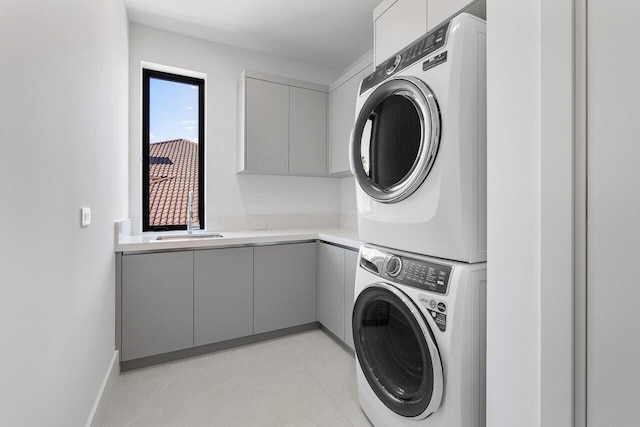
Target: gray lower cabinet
176, 300
223, 294
331, 297
336, 282
157, 303
350, 264
284, 286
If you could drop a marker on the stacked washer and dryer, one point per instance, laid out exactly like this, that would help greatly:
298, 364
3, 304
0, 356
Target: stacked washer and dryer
418, 153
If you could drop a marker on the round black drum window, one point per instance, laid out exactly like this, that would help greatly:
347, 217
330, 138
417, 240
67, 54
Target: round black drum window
395, 139
393, 352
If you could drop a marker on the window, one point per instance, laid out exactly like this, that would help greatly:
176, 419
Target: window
172, 150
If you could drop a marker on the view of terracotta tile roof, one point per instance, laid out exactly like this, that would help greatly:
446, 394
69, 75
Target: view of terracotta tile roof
173, 171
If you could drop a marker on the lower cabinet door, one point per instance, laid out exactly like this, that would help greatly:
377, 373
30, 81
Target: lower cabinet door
223, 294
157, 303
331, 288
350, 264
284, 286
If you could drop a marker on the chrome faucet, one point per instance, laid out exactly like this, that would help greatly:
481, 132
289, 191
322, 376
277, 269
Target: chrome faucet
189, 212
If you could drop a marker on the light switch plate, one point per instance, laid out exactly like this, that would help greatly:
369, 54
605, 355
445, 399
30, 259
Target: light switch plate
85, 217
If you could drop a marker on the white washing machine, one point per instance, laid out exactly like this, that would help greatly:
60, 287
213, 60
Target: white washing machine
418, 147
419, 333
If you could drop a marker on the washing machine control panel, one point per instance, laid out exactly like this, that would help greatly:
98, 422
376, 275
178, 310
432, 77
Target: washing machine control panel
424, 275
418, 273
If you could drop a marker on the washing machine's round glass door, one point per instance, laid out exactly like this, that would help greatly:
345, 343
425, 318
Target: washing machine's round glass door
397, 351
395, 139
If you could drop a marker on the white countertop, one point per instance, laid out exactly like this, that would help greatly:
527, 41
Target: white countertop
139, 243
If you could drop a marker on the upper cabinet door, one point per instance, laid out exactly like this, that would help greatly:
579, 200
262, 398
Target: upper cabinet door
396, 24
343, 112
307, 132
267, 126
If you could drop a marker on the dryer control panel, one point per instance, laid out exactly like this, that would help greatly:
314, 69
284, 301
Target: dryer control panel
418, 273
421, 48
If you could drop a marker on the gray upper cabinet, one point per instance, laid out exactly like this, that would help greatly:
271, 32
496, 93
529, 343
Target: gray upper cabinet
267, 126
157, 303
284, 286
331, 295
223, 289
350, 264
343, 113
282, 125
307, 132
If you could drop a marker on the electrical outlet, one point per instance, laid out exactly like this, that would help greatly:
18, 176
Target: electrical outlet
259, 225
85, 217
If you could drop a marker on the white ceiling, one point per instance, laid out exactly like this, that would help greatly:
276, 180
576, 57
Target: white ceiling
327, 33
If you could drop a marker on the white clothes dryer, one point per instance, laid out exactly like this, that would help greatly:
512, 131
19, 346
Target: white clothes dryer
418, 147
419, 334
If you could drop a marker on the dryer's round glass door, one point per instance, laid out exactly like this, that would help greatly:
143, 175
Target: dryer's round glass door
397, 351
395, 139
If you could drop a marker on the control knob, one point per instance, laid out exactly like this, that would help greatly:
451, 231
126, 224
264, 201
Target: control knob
394, 65
394, 266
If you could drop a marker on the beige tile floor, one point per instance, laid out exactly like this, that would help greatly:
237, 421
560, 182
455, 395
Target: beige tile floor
304, 379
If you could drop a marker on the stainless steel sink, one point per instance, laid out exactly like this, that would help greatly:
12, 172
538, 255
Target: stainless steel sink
190, 236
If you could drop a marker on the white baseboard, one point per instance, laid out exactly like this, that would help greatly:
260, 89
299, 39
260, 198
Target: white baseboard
99, 410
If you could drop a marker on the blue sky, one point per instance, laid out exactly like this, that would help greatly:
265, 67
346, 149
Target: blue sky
173, 111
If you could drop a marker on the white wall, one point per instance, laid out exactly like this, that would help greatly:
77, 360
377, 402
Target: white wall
232, 200
530, 213
513, 201
63, 133
557, 216
613, 344
348, 206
